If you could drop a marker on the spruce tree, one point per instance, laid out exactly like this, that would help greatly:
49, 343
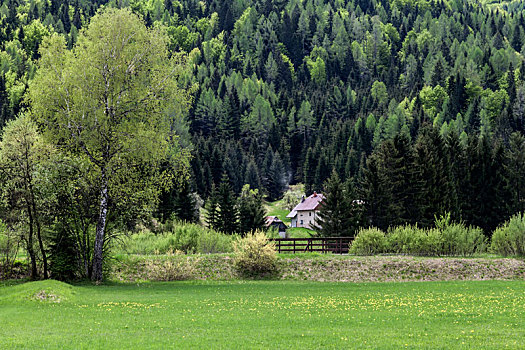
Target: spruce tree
251, 210
184, 204
375, 192
212, 208
402, 175
276, 179
333, 218
5, 113
227, 214
252, 177
432, 165
515, 173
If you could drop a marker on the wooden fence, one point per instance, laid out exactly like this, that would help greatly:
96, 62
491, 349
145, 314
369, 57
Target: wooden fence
336, 245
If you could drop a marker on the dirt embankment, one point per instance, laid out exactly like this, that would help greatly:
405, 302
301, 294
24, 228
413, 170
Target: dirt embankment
336, 269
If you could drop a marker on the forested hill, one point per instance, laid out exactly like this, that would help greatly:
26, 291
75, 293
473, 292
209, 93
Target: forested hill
289, 90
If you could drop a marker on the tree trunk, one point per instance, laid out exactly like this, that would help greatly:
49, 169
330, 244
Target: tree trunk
38, 233
30, 250
100, 231
41, 245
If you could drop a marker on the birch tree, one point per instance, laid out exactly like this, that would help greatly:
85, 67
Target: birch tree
113, 99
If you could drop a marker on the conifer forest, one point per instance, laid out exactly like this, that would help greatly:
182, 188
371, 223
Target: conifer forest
413, 109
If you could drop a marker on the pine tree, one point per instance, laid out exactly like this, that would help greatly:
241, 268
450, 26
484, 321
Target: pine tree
376, 193
309, 172
334, 217
212, 208
251, 210
403, 177
252, 177
183, 203
5, 113
431, 162
486, 195
276, 179
227, 214
515, 173
438, 75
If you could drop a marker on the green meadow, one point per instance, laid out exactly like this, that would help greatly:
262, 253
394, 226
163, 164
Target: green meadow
263, 314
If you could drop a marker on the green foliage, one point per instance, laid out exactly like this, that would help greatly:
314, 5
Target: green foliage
446, 239
9, 250
63, 260
255, 256
299, 77
509, 239
379, 93
460, 240
114, 109
185, 237
369, 241
337, 214
251, 211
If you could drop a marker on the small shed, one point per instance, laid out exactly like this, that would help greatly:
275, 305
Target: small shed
274, 221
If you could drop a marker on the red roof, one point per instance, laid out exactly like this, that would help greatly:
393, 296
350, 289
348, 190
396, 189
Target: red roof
310, 203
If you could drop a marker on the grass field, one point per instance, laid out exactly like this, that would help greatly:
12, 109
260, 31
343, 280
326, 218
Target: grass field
264, 314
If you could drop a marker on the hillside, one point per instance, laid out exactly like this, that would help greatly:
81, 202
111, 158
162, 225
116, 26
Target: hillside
426, 98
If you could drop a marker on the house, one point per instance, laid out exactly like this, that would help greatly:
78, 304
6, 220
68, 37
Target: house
305, 213
274, 221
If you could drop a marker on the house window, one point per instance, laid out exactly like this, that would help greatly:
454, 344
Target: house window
301, 222
310, 213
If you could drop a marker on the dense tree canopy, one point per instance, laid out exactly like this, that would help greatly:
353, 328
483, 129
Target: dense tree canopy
419, 104
110, 100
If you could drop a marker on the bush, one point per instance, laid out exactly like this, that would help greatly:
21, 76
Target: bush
189, 238
414, 240
463, 241
446, 239
63, 258
9, 244
369, 241
509, 239
211, 241
255, 256
176, 268
427, 242
401, 239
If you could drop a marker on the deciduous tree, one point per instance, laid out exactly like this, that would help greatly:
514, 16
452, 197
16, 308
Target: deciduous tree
108, 100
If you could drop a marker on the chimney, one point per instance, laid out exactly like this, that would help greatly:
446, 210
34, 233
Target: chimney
315, 194
302, 199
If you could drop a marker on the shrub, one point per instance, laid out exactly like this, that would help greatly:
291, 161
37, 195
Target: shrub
63, 256
414, 240
400, 239
211, 241
255, 256
461, 240
369, 241
9, 244
509, 239
189, 238
176, 268
427, 242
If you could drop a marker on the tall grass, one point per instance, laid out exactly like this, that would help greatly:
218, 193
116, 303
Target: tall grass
186, 237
